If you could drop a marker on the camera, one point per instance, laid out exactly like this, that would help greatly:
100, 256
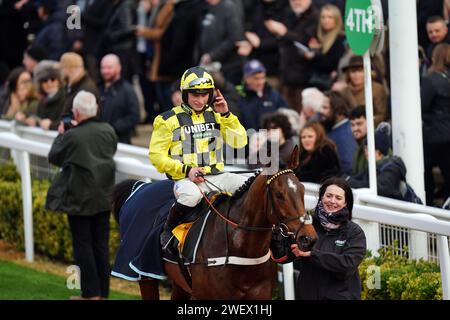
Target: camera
67, 121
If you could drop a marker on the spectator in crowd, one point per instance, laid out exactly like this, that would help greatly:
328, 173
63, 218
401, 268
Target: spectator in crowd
120, 36
333, 114
327, 49
295, 121
318, 157
20, 99
120, 106
354, 91
4, 71
221, 28
425, 10
257, 97
94, 20
390, 169
435, 97
47, 77
312, 100
437, 31
330, 270
81, 189
279, 133
264, 44
299, 23
53, 35
32, 56
76, 78
160, 17
359, 129
177, 22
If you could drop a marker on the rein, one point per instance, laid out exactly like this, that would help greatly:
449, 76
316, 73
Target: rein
282, 223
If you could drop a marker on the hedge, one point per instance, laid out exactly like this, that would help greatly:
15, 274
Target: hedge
52, 236
399, 277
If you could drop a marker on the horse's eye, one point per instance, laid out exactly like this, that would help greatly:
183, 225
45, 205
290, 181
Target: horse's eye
279, 195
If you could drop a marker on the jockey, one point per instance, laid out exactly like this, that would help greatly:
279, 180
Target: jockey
187, 143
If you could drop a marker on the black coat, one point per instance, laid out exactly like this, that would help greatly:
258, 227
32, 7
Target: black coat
120, 108
332, 270
390, 171
295, 70
85, 155
324, 163
435, 97
52, 108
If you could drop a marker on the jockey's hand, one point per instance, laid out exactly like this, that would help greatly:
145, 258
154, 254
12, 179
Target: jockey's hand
220, 104
298, 253
195, 175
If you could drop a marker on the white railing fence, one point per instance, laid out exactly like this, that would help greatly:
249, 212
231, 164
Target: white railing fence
382, 219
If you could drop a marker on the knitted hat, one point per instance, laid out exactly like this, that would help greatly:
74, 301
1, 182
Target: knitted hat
382, 141
46, 69
36, 52
71, 60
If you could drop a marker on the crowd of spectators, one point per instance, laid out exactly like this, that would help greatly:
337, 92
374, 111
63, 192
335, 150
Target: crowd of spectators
282, 65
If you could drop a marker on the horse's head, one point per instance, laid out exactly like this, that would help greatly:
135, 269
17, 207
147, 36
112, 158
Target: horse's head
286, 206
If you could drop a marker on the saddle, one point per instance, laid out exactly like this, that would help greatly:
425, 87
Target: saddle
182, 248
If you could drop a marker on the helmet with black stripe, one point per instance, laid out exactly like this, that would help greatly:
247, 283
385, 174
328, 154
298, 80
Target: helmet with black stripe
197, 80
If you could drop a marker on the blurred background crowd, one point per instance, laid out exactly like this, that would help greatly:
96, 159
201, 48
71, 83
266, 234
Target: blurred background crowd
282, 65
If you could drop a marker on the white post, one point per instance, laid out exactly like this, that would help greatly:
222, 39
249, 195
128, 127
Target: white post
288, 281
370, 124
405, 101
24, 167
444, 262
371, 230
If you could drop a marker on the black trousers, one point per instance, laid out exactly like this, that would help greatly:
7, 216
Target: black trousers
90, 241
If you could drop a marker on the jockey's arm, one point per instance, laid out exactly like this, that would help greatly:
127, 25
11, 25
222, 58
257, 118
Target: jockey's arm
232, 131
159, 150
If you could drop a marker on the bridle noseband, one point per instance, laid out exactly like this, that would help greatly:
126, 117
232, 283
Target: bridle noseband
282, 227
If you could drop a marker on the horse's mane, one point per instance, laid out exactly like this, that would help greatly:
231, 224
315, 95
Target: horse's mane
120, 193
244, 188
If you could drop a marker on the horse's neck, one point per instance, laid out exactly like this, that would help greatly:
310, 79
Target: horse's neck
250, 211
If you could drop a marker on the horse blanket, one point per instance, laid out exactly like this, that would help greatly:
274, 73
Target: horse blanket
141, 220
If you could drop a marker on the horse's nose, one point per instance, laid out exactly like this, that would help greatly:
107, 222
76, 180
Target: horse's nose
306, 243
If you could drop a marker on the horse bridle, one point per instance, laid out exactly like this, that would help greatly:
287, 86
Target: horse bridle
282, 227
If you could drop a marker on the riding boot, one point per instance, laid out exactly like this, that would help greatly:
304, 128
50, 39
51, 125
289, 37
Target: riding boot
173, 218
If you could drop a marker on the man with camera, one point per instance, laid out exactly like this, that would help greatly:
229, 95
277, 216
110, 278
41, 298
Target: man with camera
84, 150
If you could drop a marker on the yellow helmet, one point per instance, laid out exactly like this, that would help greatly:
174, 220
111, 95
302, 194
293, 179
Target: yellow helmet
197, 80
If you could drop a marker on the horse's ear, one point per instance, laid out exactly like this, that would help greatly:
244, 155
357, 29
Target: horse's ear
294, 158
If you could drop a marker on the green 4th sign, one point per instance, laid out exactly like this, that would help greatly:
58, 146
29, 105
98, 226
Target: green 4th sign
360, 24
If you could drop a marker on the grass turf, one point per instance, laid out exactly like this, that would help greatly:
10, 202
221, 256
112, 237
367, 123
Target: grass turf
21, 283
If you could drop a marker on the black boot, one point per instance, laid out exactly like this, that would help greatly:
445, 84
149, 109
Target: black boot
173, 218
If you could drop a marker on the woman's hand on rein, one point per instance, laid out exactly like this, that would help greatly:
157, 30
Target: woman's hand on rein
298, 253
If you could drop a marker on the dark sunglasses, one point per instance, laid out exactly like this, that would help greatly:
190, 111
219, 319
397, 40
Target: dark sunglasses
46, 79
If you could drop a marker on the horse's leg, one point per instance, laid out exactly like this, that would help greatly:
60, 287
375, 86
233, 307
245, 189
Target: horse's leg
174, 273
178, 293
149, 289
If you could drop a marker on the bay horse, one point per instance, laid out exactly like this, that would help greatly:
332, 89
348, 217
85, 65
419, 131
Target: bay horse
233, 257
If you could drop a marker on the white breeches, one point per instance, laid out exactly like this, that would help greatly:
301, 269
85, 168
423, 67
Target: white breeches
188, 193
